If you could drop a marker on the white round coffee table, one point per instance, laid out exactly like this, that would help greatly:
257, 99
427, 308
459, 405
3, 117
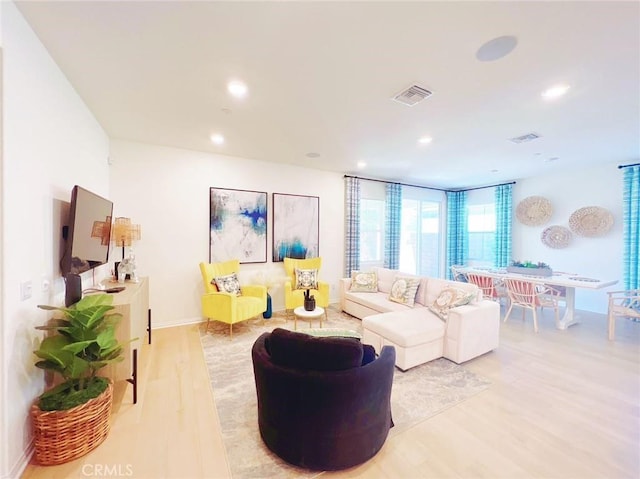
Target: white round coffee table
302, 313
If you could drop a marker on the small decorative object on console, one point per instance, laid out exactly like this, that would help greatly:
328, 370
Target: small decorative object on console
309, 301
127, 268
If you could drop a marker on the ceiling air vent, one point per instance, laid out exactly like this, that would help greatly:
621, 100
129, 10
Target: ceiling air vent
525, 138
412, 95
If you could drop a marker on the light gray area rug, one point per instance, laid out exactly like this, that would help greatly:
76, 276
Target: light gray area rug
416, 395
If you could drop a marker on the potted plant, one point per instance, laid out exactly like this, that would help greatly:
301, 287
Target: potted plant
530, 268
72, 418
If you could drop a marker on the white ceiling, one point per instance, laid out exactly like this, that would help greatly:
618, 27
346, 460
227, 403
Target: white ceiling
321, 76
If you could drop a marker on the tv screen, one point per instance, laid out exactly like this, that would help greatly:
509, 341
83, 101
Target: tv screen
89, 232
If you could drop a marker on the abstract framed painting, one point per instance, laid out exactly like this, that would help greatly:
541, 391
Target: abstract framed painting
296, 223
237, 225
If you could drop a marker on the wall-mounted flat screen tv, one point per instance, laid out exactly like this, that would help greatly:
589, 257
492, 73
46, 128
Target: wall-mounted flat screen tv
88, 233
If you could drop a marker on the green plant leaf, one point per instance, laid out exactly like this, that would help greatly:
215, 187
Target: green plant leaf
50, 366
77, 367
52, 349
106, 338
112, 353
75, 348
86, 339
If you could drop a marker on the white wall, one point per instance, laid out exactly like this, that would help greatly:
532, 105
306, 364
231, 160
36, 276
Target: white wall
50, 142
166, 191
591, 257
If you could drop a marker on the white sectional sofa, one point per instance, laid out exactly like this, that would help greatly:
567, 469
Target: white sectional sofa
417, 333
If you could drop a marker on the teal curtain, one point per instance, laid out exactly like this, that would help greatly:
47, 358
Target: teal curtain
393, 210
631, 227
457, 236
504, 209
352, 225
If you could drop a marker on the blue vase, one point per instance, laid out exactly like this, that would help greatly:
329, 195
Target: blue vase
268, 312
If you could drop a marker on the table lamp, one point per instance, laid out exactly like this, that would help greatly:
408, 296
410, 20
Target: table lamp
123, 234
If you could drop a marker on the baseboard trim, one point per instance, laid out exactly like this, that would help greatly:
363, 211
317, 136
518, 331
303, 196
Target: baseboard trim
19, 467
177, 322
188, 321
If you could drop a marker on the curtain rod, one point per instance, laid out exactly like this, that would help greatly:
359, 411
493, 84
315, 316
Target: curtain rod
627, 166
429, 187
395, 182
488, 186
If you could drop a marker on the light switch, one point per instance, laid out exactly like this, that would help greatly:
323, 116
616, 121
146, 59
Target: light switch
25, 290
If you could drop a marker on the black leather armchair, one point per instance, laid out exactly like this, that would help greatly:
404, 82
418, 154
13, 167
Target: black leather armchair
319, 407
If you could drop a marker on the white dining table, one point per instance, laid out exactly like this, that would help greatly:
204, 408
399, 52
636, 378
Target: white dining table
570, 281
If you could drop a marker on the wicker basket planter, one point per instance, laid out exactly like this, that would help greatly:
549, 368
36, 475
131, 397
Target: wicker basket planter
62, 436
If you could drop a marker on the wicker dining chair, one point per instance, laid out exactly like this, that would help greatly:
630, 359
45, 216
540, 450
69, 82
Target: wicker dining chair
486, 284
529, 295
624, 304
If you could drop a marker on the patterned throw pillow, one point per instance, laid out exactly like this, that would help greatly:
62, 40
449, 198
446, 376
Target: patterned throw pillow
450, 298
228, 284
404, 289
364, 282
306, 279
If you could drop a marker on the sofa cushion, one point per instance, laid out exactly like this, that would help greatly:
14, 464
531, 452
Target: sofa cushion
450, 298
404, 289
362, 282
437, 285
406, 329
228, 284
301, 351
377, 301
306, 279
385, 278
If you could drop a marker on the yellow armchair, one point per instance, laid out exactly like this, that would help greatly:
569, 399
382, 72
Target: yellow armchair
295, 297
227, 307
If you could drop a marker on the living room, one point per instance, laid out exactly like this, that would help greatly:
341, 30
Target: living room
51, 141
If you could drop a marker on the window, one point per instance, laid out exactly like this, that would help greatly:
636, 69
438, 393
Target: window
371, 233
420, 237
481, 225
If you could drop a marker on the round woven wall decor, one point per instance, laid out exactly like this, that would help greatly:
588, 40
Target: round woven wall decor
534, 211
591, 221
556, 237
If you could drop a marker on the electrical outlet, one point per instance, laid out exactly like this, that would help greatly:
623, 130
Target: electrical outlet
25, 290
45, 284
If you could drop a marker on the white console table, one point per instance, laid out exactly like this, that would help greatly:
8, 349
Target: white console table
133, 304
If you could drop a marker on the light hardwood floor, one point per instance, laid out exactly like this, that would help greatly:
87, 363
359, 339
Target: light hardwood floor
562, 404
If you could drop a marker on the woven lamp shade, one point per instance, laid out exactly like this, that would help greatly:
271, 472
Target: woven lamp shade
124, 232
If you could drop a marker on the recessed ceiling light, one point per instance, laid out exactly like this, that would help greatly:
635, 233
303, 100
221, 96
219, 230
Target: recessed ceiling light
217, 139
497, 48
425, 140
555, 92
237, 89
361, 164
